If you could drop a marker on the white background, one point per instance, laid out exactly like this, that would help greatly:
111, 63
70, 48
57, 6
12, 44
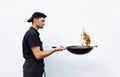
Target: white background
66, 18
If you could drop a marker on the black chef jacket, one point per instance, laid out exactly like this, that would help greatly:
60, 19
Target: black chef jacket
32, 67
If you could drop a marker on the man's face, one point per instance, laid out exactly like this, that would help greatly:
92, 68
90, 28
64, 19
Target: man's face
40, 22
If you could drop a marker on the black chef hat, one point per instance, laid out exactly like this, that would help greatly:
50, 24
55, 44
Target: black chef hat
35, 15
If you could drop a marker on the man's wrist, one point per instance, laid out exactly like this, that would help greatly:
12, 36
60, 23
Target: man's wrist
54, 50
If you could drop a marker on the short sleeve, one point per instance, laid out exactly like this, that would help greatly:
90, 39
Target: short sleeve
33, 40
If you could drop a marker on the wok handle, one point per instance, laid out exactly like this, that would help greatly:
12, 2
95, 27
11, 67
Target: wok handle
53, 46
95, 46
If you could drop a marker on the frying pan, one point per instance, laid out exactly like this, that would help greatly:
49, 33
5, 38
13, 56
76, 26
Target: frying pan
79, 50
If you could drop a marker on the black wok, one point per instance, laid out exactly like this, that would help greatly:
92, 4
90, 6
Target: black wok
79, 50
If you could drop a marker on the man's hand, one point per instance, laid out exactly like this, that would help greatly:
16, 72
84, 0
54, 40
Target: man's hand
59, 48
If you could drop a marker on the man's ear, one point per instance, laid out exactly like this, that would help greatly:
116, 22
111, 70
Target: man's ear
34, 20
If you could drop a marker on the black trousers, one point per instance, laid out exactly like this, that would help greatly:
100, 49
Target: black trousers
33, 68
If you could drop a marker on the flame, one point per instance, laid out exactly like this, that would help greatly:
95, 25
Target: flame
86, 38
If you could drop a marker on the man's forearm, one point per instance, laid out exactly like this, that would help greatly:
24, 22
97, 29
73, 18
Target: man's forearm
46, 53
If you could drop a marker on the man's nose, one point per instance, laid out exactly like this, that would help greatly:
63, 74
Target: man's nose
43, 23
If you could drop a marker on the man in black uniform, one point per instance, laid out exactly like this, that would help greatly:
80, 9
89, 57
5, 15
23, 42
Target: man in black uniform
32, 47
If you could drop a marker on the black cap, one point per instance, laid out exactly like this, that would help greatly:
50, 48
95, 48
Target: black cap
35, 15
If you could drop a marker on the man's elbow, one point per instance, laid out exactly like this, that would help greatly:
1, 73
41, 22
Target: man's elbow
38, 57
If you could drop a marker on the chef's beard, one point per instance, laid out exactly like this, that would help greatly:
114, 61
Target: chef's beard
41, 27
